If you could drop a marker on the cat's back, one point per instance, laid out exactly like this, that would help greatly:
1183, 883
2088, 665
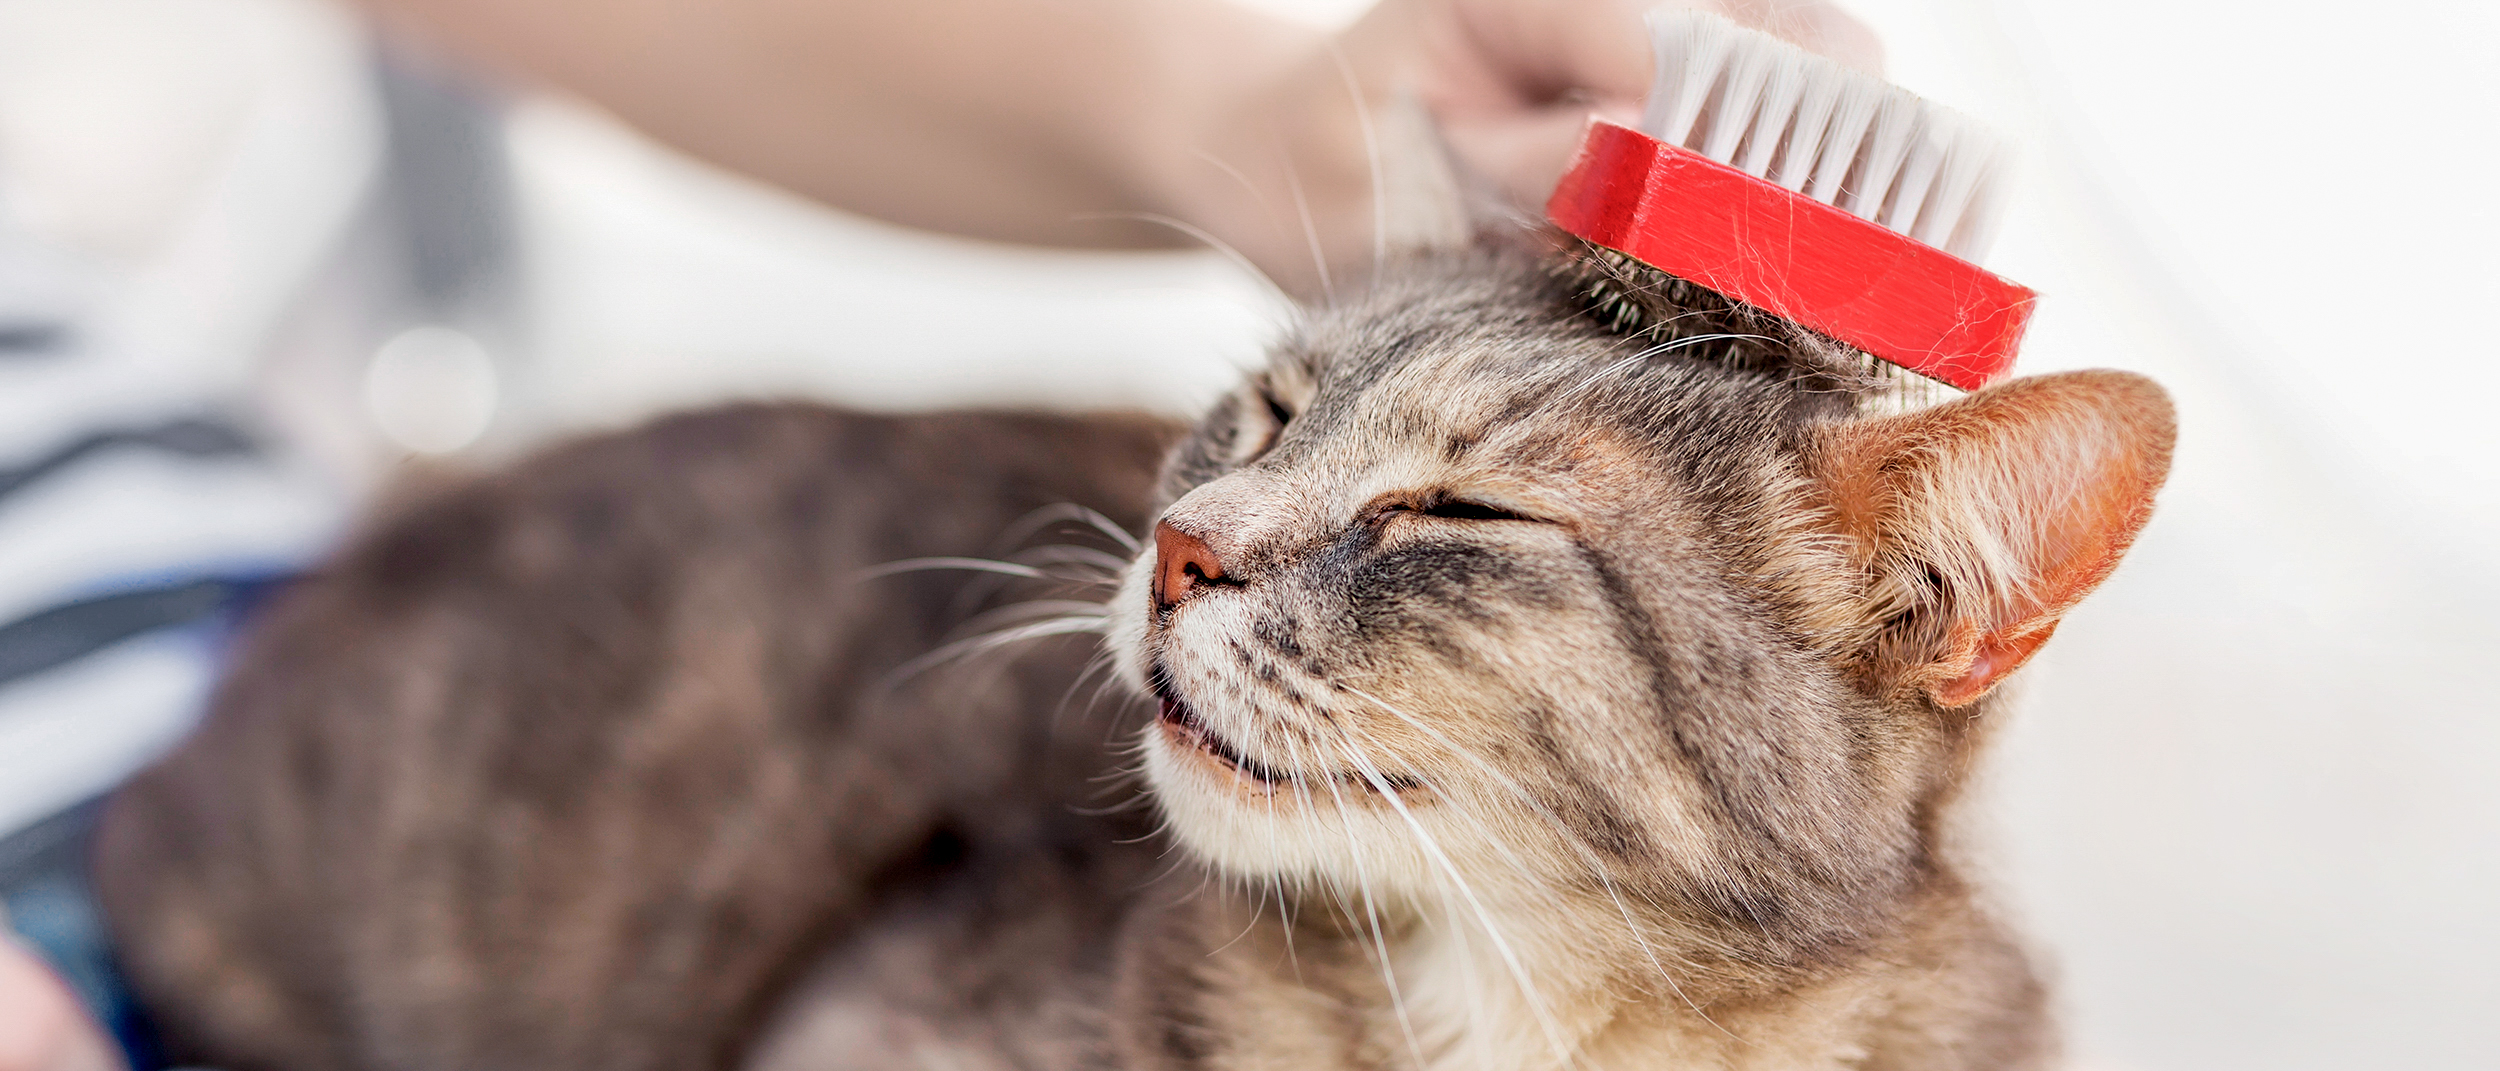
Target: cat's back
571, 763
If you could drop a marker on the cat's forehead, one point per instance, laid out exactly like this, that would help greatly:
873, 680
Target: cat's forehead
1459, 373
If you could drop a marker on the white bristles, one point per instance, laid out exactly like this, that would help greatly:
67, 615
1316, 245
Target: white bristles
1690, 56
1817, 97
1774, 110
1778, 107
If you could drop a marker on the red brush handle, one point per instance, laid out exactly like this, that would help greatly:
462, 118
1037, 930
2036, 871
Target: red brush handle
1755, 241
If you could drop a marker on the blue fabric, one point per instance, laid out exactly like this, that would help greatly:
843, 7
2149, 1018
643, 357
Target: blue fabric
52, 909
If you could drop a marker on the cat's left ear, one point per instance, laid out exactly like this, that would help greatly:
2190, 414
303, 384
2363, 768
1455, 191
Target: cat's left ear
1429, 199
1980, 522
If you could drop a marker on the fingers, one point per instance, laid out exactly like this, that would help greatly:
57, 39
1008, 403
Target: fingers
1511, 82
1491, 56
42, 1028
1815, 24
1523, 155
1546, 52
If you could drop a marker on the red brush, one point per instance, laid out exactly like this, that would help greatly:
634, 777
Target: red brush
1829, 198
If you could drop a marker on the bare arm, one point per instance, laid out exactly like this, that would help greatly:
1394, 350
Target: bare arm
1034, 120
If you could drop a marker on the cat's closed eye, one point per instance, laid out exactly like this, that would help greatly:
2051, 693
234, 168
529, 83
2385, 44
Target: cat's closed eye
1277, 410
1263, 415
1459, 509
1453, 508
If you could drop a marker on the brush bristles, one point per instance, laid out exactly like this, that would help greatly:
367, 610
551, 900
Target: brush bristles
1777, 112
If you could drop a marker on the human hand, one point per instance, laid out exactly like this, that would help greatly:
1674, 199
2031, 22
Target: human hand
1100, 122
42, 1028
1511, 84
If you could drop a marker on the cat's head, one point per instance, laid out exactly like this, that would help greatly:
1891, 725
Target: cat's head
1468, 589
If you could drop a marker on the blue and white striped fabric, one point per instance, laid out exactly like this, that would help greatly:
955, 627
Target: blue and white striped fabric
133, 510
138, 517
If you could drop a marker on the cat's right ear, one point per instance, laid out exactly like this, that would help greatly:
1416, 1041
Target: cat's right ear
1978, 523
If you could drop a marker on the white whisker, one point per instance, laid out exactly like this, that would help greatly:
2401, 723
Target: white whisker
1057, 512
1020, 612
1484, 917
1371, 916
990, 641
922, 565
1111, 565
1587, 854
1310, 230
1371, 155
1220, 246
1668, 346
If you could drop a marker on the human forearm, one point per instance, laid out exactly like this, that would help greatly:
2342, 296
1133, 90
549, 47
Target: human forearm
1069, 121
1026, 121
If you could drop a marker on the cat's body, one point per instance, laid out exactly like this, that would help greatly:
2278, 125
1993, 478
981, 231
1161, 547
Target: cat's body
571, 766
1524, 694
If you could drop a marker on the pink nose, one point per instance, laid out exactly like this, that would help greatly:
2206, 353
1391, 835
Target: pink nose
1183, 563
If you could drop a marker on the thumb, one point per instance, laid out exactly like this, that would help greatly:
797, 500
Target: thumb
1524, 154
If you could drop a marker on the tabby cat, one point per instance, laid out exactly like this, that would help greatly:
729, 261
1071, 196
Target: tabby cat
1530, 668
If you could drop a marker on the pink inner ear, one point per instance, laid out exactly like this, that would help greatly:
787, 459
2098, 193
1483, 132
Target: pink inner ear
2023, 496
1991, 659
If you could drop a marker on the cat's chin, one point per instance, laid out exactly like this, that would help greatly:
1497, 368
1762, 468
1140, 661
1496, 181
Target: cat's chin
1258, 821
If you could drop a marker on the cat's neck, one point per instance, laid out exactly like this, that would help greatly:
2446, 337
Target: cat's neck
1477, 984
1571, 991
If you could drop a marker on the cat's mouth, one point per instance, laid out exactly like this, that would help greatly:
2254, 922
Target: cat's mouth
1184, 729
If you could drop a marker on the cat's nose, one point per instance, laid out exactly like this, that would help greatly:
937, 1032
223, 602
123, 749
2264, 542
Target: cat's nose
1183, 563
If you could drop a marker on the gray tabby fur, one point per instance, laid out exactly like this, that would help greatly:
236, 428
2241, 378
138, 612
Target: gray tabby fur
1568, 698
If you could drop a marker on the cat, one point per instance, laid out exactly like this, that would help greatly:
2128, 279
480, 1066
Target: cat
1534, 666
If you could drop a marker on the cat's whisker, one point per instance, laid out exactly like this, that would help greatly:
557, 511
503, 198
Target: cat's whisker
1500, 844
1291, 307
1597, 864
1107, 680
1371, 916
1257, 196
1125, 806
1456, 929
923, 565
964, 648
1203, 236
1301, 789
1310, 229
1504, 780
1098, 665
1110, 681
1058, 512
1371, 157
1484, 917
1240, 886
1669, 346
1017, 613
1471, 969
1109, 565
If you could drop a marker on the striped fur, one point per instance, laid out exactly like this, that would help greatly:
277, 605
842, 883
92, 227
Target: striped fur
1641, 758
1558, 691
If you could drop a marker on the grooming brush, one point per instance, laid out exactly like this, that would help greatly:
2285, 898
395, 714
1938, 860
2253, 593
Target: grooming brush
1785, 181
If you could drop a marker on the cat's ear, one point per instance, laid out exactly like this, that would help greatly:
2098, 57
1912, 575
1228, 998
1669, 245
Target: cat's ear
1980, 522
1429, 198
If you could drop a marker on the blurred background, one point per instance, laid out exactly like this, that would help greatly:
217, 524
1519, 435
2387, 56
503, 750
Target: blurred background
253, 262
